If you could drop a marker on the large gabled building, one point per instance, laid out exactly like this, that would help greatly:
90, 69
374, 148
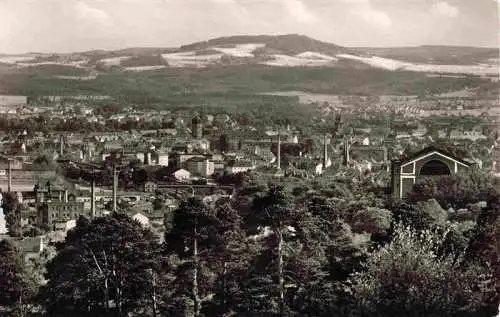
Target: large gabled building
430, 162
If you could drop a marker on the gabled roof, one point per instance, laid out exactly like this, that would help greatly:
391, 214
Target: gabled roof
433, 150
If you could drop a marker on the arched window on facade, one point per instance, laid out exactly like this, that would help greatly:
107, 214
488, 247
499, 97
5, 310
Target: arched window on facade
434, 168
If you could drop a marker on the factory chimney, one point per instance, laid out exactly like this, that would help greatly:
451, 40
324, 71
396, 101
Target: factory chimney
325, 152
115, 187
61, 145
346, 152
279, 151
9, 185
92, 197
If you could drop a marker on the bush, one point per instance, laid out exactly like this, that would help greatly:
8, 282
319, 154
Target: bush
372, 220
452, 191
408, 278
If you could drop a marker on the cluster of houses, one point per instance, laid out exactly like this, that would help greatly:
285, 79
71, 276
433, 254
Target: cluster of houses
185, 157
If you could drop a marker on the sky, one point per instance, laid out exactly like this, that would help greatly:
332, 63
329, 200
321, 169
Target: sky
79, 25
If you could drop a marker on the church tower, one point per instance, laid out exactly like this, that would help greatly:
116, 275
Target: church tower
196, 127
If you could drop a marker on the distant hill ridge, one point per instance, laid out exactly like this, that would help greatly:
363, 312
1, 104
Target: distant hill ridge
288, 50
288, 43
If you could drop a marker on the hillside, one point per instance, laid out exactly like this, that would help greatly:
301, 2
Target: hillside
290, 44
444, 55
232, 66
292, 50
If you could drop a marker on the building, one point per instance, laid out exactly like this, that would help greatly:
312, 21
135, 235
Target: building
200, 166
56, 206
197, 127
239, 167
179, 160
150, 187
182, 175
430, 162
162, 158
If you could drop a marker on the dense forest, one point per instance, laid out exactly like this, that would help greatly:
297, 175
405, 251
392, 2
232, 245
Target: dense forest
189, 86
276, 249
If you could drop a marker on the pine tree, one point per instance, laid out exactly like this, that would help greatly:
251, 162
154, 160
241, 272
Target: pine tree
273, 210
193, 237
102, 267
12, 210
15, 290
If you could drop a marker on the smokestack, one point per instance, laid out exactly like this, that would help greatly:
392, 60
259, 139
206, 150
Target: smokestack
279, 151
115, 187
346, 152
9, 186
61, 145
325, 152
92, 197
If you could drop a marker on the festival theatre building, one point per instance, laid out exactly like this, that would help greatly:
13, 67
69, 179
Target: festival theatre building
430, 162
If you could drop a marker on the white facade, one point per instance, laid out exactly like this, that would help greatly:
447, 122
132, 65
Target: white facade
318, 169
163, 159
182, 175
140, 156
239, 169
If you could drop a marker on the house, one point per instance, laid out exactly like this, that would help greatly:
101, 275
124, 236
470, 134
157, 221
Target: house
182, 175
201, 144
265, 154
473, 135
430, 162
166, 132
239, 167
32, 247
150, 187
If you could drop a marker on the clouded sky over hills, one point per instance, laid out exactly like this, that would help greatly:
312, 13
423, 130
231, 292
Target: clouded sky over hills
76, 25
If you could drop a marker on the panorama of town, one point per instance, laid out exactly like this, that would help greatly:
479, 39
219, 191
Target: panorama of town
249, 175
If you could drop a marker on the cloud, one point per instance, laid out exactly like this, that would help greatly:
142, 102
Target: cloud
375, 17
357, 1
369, 14
75, 25
299, 11
444, 9
85, 12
